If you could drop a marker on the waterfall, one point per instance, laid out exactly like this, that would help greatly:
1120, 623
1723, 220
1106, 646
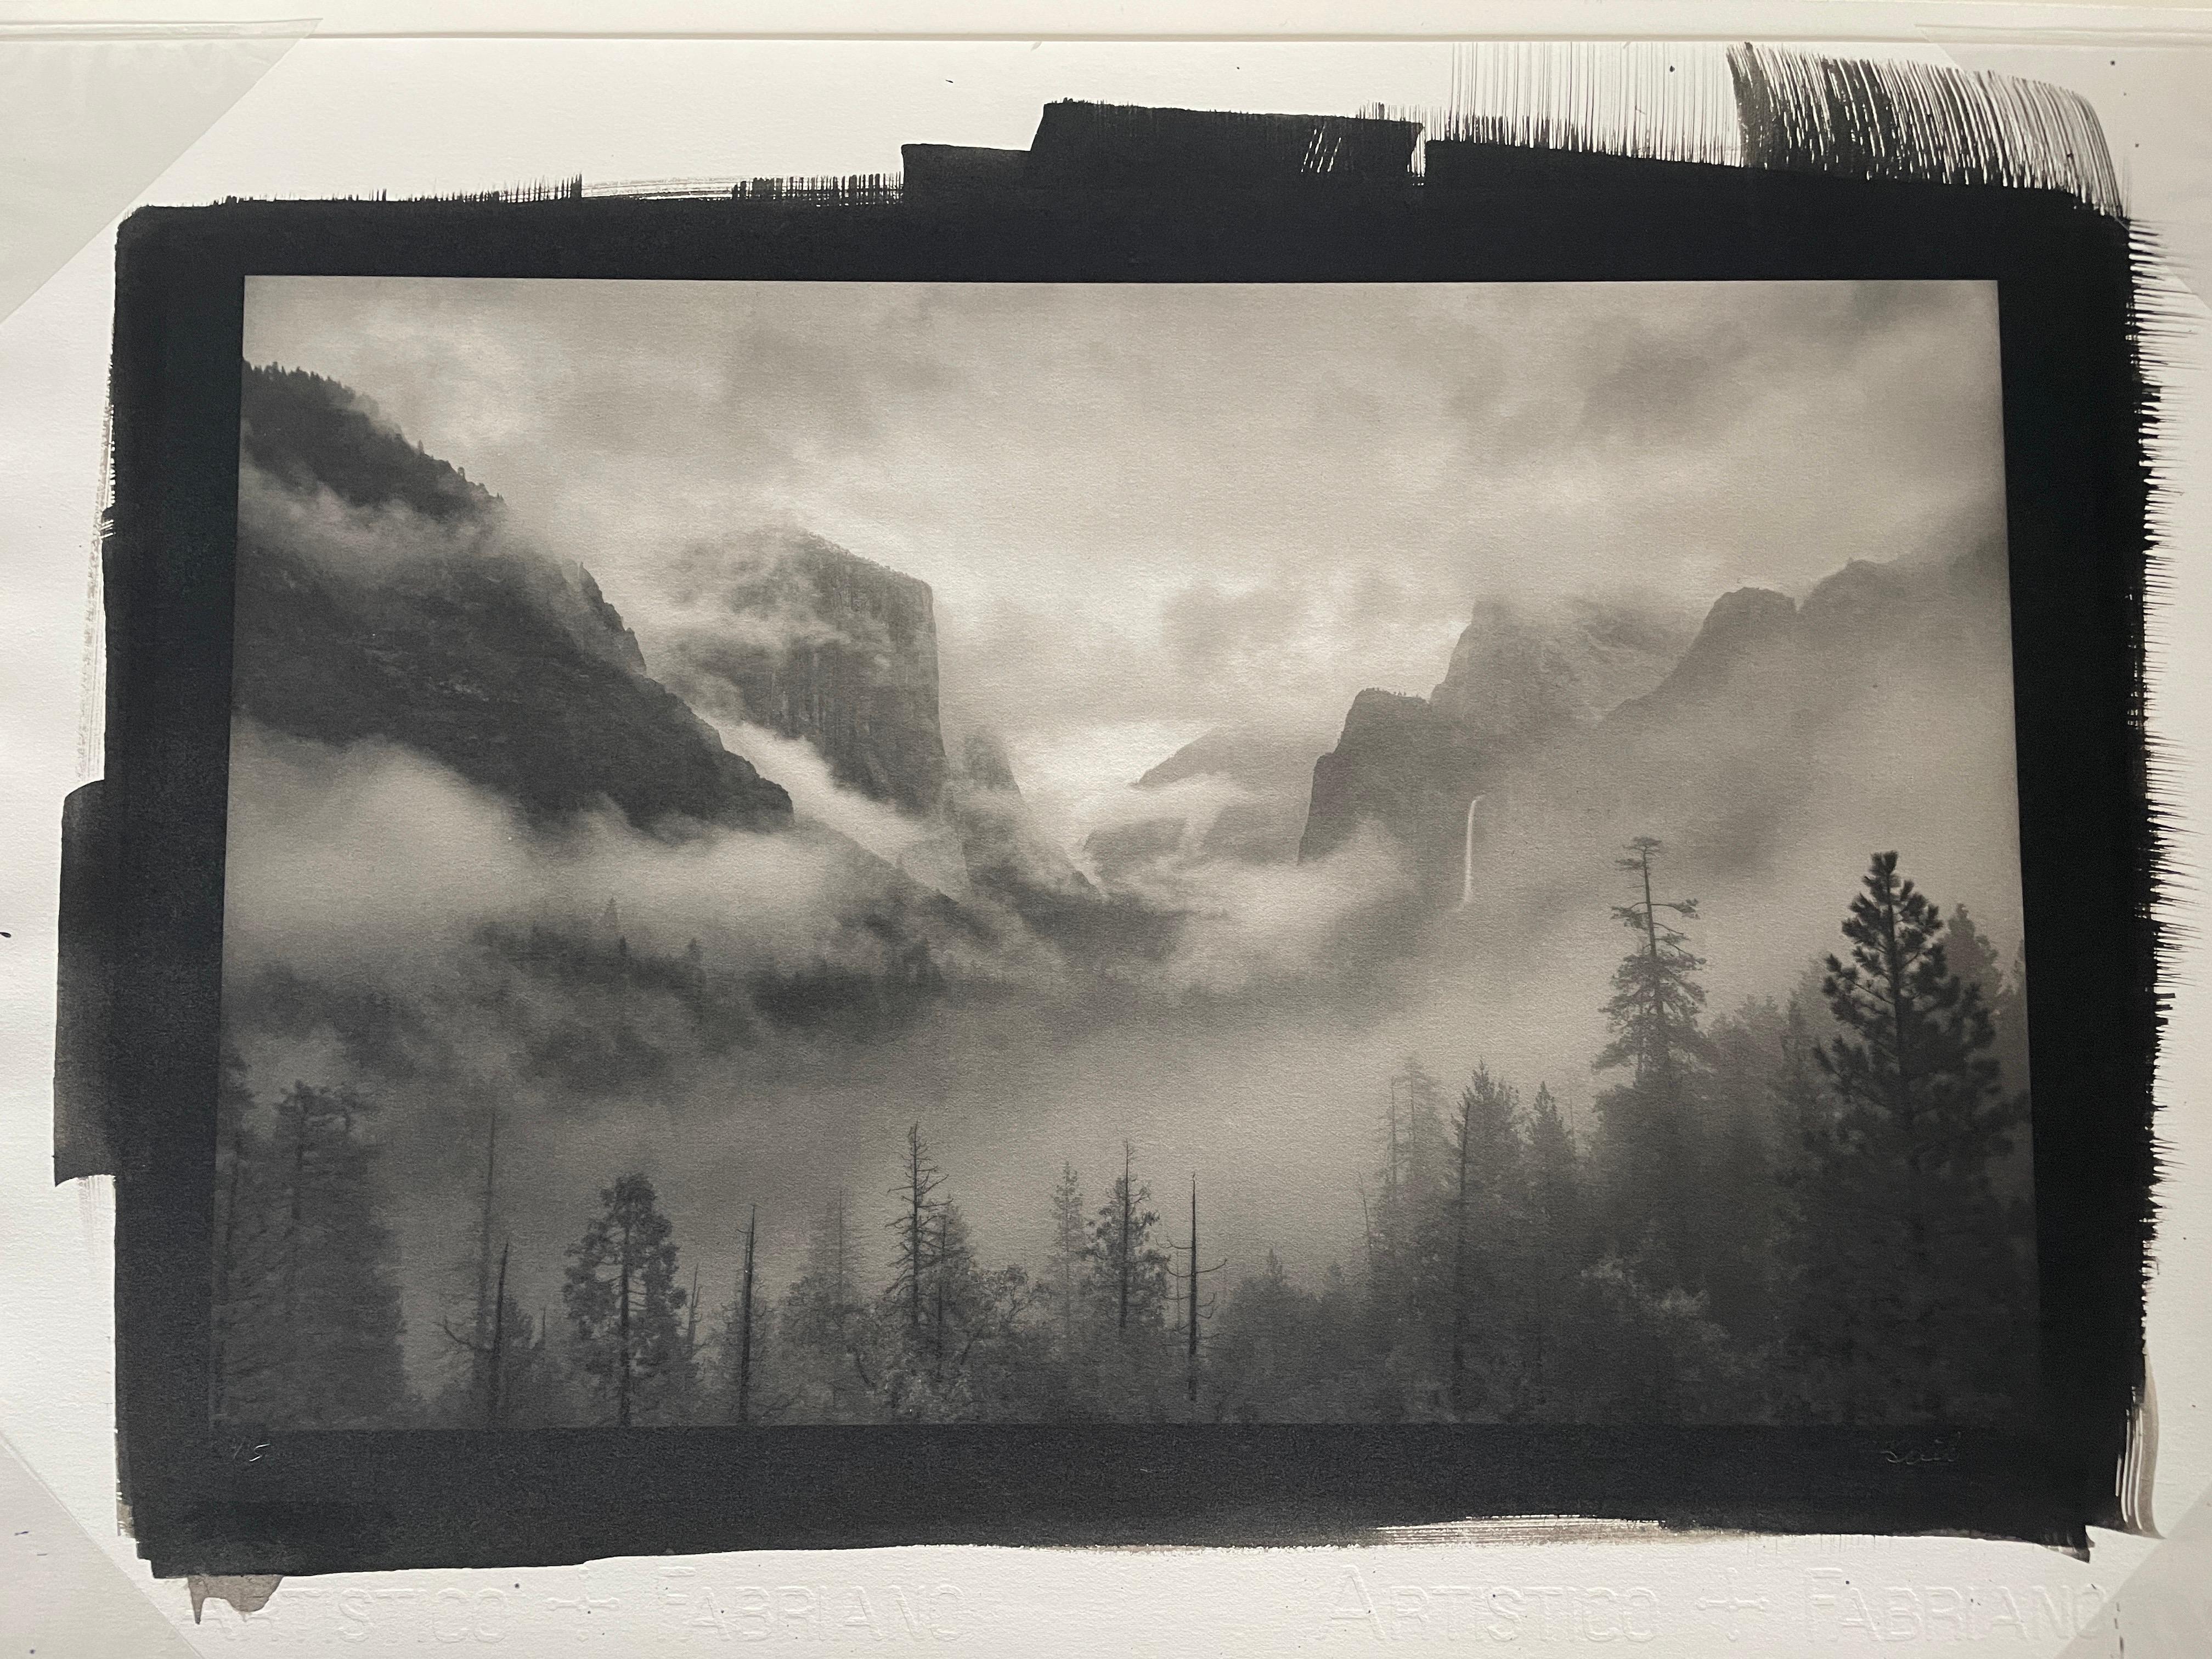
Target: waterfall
1466, 868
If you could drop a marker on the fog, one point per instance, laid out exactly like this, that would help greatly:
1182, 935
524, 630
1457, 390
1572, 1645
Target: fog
1253, 1056
375, 874
1145, 513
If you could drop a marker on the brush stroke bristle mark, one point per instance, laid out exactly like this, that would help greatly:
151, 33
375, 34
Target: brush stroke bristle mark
855, 189
1116, 144
1739, 105
2161, 311
831, 190
1667, 101
546, 190
1745, 105
1879, 118
538, 189
91, 689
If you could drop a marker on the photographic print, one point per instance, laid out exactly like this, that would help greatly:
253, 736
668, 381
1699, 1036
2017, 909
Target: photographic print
867, 853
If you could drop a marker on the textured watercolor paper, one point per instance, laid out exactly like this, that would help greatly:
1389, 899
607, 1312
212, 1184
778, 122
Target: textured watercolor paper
1355, 1603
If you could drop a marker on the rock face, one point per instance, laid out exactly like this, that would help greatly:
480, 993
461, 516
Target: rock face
1751, 633
1761, 656
382, 595
1411, 764
1402, 765
1514, 675
794, 634
1713, 734
1008, 857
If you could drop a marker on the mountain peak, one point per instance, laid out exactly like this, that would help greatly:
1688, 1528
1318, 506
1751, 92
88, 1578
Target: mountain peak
1518, 673
1860, 584
459, 641
1747, 625
1256, 755
1747, 613
305, 430
1399, 762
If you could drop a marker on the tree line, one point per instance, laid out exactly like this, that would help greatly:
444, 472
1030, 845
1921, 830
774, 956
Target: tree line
1816, 1207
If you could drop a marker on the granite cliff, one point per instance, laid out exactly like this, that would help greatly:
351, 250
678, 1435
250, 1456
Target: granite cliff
1713, 735
1516, 681
795, 635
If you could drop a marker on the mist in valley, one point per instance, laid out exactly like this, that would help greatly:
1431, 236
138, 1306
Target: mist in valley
1051, 544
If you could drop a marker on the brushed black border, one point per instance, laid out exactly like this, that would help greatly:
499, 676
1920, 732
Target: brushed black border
2075, 413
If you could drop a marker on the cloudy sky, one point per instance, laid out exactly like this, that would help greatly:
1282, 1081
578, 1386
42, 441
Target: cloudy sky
1149, 510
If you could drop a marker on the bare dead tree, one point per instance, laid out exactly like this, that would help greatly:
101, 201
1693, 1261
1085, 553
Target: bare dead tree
1191, 1307
691, 1315
919, 1206
485, 1311
494, 1394
488, 1351
744, 1378
1459, 1257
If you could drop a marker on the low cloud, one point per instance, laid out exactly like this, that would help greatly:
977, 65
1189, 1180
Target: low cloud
368, 862
747, 592
1250, 927
923, 848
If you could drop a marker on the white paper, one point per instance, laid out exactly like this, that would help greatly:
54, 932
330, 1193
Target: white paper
343, 113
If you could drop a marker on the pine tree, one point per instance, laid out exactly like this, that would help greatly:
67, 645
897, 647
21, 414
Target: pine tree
1802, 1103
623, 1302
1133, 1372
1258, 1355
306, 1325
533, 1390
1484, 1313
1911, 1299
1733, 1254
1555, 1235
822, 1325
1974, 958
1415, 1180
1413, 1141
1651, 1144
1129, 1270
915, 1228
1069, 1259
967, 1359
1554, 1174
1285, 1355
1655, 1001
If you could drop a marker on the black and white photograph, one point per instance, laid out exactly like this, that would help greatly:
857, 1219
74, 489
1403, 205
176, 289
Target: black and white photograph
871, 852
